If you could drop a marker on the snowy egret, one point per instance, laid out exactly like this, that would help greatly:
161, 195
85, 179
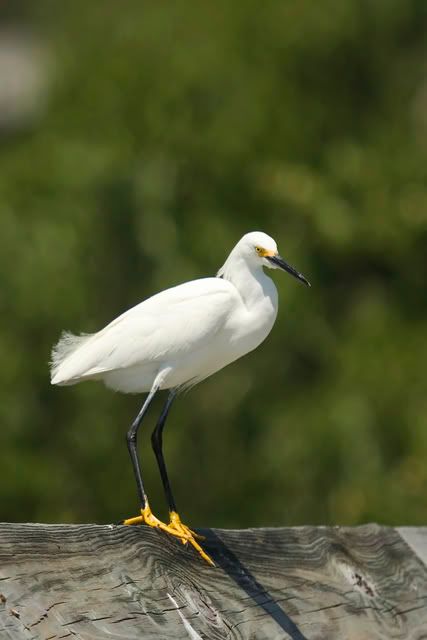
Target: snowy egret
173, 340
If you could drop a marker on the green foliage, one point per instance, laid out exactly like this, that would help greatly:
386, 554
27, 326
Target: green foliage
169, 130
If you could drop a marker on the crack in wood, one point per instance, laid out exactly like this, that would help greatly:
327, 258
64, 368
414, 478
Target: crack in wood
55, 604
330, 606
123, 620
43, 617
405, 611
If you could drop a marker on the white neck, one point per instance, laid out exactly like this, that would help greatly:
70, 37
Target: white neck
249, 279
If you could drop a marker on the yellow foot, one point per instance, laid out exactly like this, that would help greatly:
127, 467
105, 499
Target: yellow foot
175, 528
188, 536
147, 517
175, 522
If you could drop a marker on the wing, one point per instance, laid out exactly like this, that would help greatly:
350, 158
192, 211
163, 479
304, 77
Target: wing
159, 330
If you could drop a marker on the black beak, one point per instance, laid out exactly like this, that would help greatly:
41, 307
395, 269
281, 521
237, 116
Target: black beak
279, 262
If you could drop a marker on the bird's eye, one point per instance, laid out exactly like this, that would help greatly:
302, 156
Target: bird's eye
258, 249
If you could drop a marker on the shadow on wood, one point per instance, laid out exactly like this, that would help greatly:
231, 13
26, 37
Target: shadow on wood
93, 582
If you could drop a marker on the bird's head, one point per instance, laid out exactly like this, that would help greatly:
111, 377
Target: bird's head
259, 249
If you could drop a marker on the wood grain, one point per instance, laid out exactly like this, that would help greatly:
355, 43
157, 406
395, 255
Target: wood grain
95, 582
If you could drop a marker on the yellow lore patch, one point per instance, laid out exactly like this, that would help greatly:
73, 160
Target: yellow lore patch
264, 253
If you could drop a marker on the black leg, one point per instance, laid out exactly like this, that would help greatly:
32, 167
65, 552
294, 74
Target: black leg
131, 439
157, 443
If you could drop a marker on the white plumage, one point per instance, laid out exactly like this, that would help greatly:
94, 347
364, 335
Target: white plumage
181, 335
173, 340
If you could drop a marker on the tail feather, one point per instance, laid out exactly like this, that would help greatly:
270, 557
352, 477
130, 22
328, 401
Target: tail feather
66, 346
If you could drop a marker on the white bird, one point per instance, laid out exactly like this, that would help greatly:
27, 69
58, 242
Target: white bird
175, 339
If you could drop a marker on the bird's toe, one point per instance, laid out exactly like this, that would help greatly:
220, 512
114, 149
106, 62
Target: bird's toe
175, 528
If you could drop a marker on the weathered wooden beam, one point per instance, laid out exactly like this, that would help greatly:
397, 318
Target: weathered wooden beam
113, 582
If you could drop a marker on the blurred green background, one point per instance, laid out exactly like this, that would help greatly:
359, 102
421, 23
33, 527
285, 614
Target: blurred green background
139, 141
